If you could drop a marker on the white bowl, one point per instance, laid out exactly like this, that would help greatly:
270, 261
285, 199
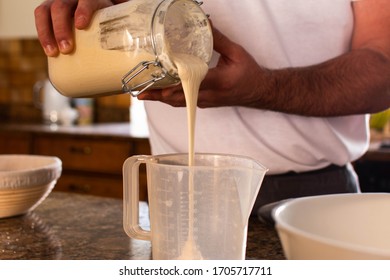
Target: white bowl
340, 226
25, 181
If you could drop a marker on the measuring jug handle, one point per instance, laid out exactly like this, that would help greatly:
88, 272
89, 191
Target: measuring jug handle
131, 198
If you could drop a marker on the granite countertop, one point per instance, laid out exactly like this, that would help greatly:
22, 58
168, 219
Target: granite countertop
83, 227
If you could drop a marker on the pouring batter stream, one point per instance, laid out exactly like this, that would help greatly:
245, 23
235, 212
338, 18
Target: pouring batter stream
192, 71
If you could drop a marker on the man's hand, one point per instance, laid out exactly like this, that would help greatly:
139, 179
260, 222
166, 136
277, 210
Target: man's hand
54, 20
235, 81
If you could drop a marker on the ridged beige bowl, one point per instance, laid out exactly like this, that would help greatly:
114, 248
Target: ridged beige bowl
25, 181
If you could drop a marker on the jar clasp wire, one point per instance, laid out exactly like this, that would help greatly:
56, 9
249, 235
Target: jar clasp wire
141, 87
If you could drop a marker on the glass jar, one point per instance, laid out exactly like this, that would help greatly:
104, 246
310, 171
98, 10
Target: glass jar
128, 47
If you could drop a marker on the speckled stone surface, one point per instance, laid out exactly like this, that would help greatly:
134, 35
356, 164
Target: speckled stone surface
82, 227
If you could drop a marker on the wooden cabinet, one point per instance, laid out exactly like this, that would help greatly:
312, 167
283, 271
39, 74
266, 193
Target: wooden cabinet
94, 183
15, 143
85, 154
92, 157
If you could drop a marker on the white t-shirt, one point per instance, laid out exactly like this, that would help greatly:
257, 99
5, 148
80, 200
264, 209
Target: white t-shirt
278, 34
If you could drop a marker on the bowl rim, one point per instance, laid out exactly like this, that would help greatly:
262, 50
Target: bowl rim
280, 224
11, 179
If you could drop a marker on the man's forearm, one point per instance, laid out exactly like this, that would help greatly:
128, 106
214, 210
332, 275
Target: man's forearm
354, 83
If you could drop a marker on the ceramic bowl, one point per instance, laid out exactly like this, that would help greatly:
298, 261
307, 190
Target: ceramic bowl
25, 181
341, 226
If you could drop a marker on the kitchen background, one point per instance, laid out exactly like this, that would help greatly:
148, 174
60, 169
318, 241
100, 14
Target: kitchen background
23, 63
93, 151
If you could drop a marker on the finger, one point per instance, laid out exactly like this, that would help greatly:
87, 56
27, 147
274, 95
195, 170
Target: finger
212, 80
229, 54
173, 96
222, 44
150, 95
86, 9
62, 19
43, 25
231, 58
205, 99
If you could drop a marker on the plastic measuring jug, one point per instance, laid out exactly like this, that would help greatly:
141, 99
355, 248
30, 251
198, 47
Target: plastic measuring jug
128, 47
213, 215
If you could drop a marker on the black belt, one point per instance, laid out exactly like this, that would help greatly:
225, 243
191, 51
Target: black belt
329, 168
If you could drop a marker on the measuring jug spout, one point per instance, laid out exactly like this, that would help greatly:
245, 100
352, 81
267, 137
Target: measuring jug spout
196, 212
248, 187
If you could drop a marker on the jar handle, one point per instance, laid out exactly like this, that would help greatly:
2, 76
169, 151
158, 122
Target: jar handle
133, 90
131, 198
